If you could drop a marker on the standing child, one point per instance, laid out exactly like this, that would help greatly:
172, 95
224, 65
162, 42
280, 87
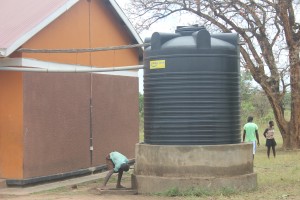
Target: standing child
251, 133
270, 141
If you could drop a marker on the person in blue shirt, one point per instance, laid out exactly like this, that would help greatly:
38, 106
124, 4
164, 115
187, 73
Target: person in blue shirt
116, 163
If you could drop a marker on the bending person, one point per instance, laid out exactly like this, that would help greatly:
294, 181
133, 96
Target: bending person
116, 163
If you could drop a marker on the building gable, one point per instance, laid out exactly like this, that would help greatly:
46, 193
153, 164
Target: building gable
88, 24
43, 13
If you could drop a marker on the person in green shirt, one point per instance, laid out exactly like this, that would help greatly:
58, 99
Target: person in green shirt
251, 133
116, 163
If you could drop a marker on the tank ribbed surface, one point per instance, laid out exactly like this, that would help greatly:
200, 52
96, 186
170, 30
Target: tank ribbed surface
191, 92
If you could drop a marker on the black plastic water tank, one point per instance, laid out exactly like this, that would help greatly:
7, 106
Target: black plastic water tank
191, 88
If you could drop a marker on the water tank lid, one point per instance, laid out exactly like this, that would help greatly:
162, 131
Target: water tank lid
188, 30
188, 42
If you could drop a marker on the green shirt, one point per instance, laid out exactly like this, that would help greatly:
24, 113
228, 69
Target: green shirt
250, 129
118, 159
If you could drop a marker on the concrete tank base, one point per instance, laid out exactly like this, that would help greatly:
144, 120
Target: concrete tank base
159, 168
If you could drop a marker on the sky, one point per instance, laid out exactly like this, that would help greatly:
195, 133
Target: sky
160, 26
165, 25
169, 25
122, 4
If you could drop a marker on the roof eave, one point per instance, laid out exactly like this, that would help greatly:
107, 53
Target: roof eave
2, 53
129, 25
126, 21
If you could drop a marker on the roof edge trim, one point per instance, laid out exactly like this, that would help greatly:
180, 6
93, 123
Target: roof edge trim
126, 21
2, 52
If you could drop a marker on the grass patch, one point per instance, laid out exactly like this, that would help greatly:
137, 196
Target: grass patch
197, 192
55, 191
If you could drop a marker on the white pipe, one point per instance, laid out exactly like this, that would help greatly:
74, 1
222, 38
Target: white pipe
73, 70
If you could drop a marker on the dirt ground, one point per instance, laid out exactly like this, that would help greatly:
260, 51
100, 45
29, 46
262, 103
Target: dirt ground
88, 191
86, 197
84, 192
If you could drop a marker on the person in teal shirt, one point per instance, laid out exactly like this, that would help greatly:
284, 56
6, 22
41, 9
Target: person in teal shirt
116, 163
251, 133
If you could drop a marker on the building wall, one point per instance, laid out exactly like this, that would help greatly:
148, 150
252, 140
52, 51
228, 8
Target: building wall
115, 117
11, 125
56, 123
57, 119
85, 25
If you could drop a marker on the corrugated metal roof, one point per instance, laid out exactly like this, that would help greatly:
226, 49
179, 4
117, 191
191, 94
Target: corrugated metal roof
22, 19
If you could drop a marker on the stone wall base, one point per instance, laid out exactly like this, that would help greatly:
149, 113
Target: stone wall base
159, 168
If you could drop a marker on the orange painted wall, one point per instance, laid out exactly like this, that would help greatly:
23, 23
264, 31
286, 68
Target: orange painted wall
86, 25
11, 125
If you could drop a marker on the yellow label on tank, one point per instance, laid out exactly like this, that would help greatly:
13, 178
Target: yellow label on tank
157, 64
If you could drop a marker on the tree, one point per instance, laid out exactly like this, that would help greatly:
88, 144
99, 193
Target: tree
254, 101
270, 43
247, 91
261, 105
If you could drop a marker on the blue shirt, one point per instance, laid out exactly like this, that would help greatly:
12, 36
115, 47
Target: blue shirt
118, 159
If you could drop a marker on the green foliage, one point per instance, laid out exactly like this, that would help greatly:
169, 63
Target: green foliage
173, 192
287, 101
141, 129
247, 109
141, 114
141, 104
261, 104
246, 85
254, 101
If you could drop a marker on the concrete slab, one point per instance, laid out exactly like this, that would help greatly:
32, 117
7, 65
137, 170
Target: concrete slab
2, 183
50, 186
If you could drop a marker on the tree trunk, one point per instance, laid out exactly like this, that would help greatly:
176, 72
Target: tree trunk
292, 141
290, 131
283, 125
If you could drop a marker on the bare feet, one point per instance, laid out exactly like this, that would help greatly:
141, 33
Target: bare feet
120, 187
102, 188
